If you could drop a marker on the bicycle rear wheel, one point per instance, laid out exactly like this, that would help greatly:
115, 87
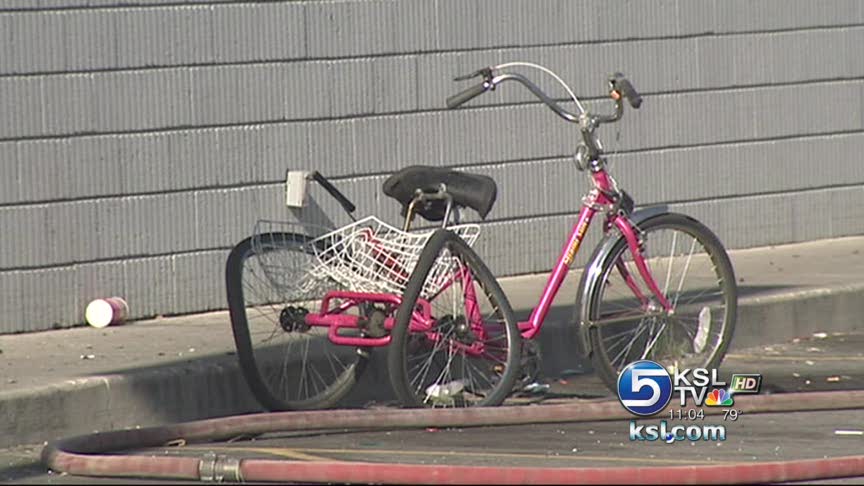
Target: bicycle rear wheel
691, 268
465, 352
288, 365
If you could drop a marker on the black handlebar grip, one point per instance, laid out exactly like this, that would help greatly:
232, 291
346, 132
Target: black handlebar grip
344, 201
467, 95
623, 85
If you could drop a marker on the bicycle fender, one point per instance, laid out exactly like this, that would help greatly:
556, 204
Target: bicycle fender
592, 271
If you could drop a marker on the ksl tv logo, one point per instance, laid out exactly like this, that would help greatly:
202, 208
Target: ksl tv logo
645, 387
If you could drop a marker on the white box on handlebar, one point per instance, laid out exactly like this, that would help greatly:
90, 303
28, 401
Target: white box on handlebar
295, 188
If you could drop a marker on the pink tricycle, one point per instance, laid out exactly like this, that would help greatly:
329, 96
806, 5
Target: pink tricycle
306, 307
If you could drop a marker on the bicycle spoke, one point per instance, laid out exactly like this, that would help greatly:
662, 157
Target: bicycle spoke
684, 273
302, 383
626, 351
652, 342
669, 267
427, 364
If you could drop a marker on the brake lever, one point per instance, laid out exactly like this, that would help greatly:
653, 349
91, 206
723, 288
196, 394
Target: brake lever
485, 72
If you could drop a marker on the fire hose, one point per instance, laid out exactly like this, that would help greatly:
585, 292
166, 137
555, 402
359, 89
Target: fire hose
96, 454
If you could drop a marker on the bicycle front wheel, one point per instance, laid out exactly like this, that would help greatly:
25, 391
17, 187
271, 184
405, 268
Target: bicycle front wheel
692, 270
455, 342
288, 364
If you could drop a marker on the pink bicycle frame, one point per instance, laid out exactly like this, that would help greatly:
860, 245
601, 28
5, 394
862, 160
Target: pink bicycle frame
336, 317
594, 202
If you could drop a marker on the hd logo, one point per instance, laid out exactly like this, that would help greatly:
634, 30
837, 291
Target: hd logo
645, 387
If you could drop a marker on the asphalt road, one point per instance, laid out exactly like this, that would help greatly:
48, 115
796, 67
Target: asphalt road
832, 362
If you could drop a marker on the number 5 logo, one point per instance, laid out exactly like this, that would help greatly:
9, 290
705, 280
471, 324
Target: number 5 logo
644, 388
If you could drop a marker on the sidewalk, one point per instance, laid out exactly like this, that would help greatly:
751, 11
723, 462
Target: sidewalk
66, 382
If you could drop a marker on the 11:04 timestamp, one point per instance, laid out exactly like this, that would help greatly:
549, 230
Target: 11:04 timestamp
688, 414
729, 415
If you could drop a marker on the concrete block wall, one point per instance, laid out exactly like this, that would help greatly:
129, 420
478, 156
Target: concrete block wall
140, 139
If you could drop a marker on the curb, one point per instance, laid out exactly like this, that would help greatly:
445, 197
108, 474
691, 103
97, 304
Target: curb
799, 313
207, 387
211, 386
159, 395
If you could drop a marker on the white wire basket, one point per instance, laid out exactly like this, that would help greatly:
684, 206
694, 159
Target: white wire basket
372, 256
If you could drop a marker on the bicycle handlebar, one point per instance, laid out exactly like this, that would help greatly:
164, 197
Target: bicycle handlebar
620, 87
463, 97
344, 201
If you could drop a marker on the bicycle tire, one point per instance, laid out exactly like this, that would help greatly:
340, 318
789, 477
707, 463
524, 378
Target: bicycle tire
674, 349
268, 341
487, 379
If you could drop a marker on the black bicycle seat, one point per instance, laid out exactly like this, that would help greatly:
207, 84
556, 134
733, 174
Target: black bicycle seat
475, 191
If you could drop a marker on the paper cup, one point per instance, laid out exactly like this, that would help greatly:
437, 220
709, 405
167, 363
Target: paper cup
104, 312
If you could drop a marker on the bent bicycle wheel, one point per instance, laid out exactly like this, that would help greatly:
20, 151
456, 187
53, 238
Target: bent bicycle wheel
693, 271
455, 342
288, 364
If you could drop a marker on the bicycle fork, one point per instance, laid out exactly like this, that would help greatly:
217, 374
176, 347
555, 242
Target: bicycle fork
635, 246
